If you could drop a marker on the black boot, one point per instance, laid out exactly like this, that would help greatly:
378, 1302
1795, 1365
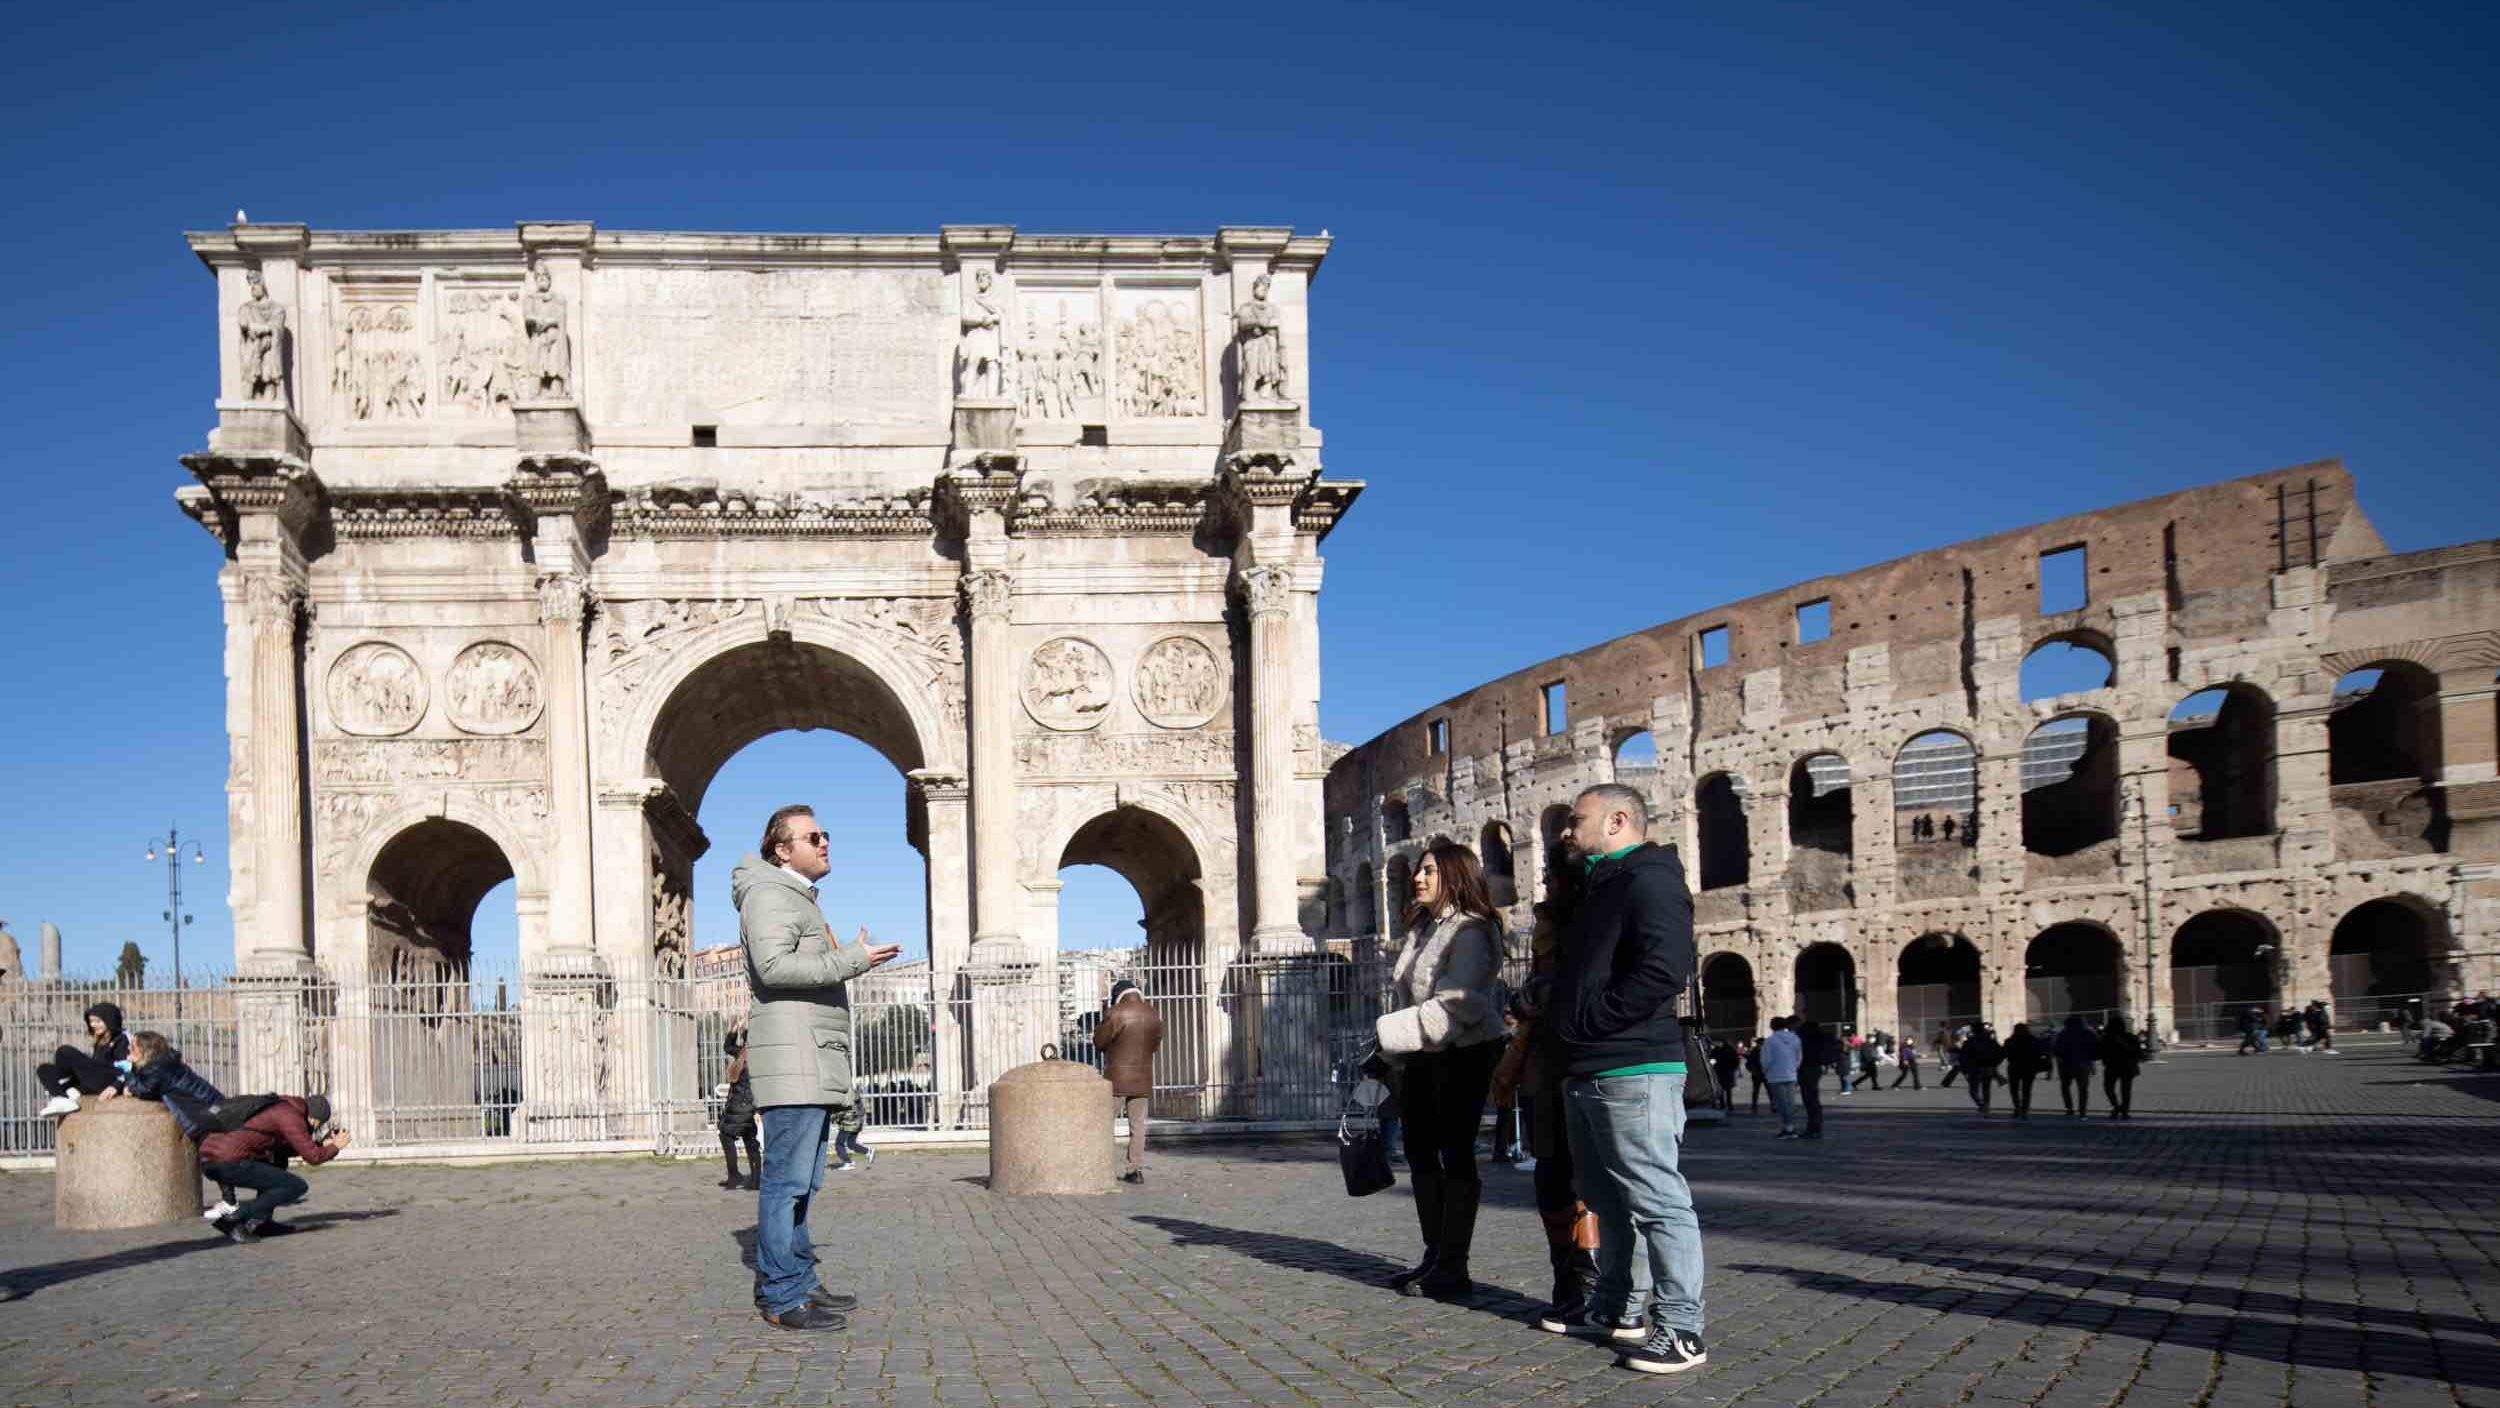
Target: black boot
1448, 1278
1575, 1286
1428, 1199
729, 1156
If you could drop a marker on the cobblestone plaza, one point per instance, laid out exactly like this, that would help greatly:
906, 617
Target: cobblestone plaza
2284, 1230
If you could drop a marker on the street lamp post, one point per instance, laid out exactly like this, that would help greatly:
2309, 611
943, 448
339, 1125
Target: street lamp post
175, 918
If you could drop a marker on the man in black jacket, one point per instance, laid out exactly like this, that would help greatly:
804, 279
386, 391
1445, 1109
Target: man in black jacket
1626, 956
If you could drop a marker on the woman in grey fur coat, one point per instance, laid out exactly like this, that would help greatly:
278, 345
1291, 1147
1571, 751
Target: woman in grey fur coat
1444, 1033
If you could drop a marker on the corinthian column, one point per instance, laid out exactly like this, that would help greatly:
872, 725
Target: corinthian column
561, 602
988, 592
276, 934
1267, 597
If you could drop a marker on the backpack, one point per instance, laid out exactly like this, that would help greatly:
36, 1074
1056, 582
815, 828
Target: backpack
232, 1113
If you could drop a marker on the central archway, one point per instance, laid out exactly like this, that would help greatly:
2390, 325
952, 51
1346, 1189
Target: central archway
1939, 983
2072, 968
2221, 963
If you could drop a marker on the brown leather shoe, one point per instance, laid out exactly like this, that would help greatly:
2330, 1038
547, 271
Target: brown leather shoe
807, 1316
834, 1301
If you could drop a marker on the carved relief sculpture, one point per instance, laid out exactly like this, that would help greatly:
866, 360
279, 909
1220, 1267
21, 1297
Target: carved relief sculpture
492, 688
551, 346
484, 348
1261, 347
1059, 360
377, 371
1161, 363
376, 690
1067, 684
262, 324
978, 373
1178, 683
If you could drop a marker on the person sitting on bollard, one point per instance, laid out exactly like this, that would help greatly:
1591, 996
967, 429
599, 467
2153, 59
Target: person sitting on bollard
158, 1072
253, 1155
72, 1072
1128, 1036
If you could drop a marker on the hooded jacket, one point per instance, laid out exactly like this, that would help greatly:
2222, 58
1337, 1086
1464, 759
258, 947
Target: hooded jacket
799, 1033
1626, 955
115, 1044
1127, 1037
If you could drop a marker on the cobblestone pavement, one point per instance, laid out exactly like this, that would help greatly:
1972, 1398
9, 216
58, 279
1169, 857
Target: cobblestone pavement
2284, 1230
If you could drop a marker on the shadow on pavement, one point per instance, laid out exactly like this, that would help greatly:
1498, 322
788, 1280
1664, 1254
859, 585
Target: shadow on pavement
1310, 1254
2315, 1342
26, 1280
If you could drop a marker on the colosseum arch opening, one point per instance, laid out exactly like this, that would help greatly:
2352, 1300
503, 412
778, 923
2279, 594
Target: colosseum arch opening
1720, 832
2383, 750
2221, 963
1935, 801
1636, 767
1938, 983
2073, 968
2073, 662
1827, 986
2222, 784
2385, 952
1501, 871
2070, 796
1821, 821
1731, 1005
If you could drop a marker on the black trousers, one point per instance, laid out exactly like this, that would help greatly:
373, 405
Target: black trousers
276, 1186
2074, 1086
1811, 1087
1753, 1102
1443, 1094
69, 1067
2121, 1091
1909, 1072
1981, 1082
2022, 1093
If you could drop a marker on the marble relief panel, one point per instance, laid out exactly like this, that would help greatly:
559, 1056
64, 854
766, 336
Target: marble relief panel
376, 357
480, 345
1059, 362
1161, 369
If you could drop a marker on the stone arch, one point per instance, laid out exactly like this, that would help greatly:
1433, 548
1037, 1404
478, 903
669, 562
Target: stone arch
1821, 840
1632, 755
1938, 983
1364, 918
2386, 949
2222, 774
2075, 966
1935, 804
1731, 1004
2070, 789
348, 943
1395, 825
2066, 663
2385, 724
2221, 962
1401, 892
1160, 848
1726, 858
1501, 870
1827, 985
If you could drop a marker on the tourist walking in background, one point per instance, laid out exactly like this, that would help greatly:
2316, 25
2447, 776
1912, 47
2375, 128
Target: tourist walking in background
1724, 1061
1780, 1058
1867, 1074
254, 1154
1444, 1034
72, 1072
1753, 1073
1626, 958
1130, 1033
798, 1055
2320, 1025
2026, 1056
737, 1114
2122, 1055
1909, 1064
1980, 1055
2252, 1030
2077, 1050
1949, 1041
1818, 1049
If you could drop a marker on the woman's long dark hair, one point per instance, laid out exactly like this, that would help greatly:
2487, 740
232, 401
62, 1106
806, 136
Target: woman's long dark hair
1462, 884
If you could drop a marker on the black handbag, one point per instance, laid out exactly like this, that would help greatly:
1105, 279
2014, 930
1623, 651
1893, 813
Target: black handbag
1363, 1157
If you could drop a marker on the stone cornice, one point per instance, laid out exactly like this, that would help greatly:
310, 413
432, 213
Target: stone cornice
1317, 511
706, 510
380, 515
232, 485
1114, 508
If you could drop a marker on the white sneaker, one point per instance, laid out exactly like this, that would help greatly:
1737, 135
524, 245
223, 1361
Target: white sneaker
65, 1103
866, 1155
1525, 1165
844, 1167
223, 1209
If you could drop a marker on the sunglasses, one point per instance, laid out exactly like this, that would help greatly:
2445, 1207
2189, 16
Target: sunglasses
811, 838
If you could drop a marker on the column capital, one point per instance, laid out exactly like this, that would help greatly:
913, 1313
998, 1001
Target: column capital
1266, 590
989, 593
940, 787
563, 597
271, 600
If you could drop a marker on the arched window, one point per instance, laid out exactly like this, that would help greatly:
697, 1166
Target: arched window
2070, 785
2222, 764
1935, 790
2072, 969
1394, 824
1818, 804
1636, 765
1719, 811
2068, 664
1366, 882
1827, 986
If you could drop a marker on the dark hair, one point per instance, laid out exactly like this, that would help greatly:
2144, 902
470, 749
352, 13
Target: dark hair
1779, 1024
147, 1046
1462, 883
772, 829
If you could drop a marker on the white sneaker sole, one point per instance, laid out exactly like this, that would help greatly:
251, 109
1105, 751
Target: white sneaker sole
1653, 1366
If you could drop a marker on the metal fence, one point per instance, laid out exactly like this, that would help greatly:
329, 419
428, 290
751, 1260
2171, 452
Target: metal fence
576, 1059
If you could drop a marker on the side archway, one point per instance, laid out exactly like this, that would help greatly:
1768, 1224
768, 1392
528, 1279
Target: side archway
1939, 983
1731, 1009
2221, 963
2073, 968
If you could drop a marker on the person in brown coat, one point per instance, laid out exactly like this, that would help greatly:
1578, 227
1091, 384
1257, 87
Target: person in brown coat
1130, 1031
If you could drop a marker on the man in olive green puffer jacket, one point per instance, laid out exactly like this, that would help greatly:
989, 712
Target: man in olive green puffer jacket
798, 1055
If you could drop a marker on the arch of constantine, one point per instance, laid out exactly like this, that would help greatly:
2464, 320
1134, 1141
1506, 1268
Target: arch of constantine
2272, 779
527, 531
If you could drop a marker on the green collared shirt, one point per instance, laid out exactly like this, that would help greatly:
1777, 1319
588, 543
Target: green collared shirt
1646, 1068
1594, 861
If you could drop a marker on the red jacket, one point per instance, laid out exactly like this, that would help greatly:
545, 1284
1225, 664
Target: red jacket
268, 1137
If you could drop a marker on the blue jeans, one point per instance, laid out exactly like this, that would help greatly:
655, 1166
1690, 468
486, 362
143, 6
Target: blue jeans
1626, 1132
276, 1186
794, 1168
1784, 1103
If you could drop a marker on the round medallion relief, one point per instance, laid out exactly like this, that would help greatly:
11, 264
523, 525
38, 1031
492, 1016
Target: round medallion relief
375, 689
1178, 683
492, 688
1067, 684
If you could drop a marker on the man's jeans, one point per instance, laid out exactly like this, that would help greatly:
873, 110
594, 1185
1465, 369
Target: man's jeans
1626, 1133
794, 1168
276, 1186
1784, 1104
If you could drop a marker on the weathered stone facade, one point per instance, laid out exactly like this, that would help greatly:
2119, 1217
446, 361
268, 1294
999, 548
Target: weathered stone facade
2273, 834
528, 531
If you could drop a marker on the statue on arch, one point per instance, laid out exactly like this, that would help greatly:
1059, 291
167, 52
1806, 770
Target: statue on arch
1262, 346
978, 374
262, 323
551, 346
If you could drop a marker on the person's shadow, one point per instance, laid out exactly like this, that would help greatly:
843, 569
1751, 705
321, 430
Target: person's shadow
1312, 1255
24, 1281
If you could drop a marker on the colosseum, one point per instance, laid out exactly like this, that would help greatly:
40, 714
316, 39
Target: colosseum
1899, 800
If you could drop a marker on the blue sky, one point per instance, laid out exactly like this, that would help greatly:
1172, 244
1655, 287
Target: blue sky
1632, 310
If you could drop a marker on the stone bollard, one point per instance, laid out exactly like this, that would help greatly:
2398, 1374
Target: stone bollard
122, 1163
1050, 1128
